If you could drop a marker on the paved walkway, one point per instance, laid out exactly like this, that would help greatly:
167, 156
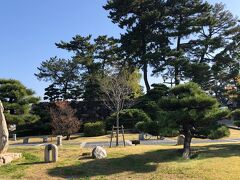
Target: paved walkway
166, 141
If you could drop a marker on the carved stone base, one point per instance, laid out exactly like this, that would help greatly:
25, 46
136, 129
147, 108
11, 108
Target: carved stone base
9, 157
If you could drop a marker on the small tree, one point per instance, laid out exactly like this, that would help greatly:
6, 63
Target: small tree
117, 92
186, 110
64, 120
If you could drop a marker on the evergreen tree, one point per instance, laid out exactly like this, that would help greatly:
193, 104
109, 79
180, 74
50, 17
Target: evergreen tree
17, 101
64, 77
213, 62
185, 109
89, 68
194, 113
137, 17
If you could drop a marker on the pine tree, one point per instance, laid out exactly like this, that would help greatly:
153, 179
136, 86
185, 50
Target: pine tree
213, 62
194, 113
137, 17
64, 77
17, 101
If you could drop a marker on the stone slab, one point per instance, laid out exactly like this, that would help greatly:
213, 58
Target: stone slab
9, 157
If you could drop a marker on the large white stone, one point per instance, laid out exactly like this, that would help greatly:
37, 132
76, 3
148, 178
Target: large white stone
99, 152
180, 140
3, 131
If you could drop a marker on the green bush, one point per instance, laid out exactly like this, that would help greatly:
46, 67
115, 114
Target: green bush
155, 128
237, 123
128, 118
235, 114
141, 126
220, 132
94, 129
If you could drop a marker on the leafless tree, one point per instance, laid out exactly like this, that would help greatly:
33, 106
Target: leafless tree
64, 120
116, 93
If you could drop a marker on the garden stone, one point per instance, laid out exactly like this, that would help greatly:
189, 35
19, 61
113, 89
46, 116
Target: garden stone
14, 137
59, 140
48, 149
99, 152
141, 136
3, 131
5, 157
45, 139
9, 157
180, 140
25, 140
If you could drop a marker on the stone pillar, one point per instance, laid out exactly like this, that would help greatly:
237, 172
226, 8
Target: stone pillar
59, 140
45, 139
14, 137
25, 140
54, 153
3, 131
48, 149
141, 136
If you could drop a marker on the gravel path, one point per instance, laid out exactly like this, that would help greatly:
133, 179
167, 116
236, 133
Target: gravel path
166, 141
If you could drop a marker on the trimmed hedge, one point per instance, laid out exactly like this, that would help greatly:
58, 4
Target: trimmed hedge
220, 132
155, 128
237, 123
128, 118
94, 129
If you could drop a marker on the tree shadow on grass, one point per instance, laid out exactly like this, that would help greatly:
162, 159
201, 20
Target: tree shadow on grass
140, 163
32, 163
217, 150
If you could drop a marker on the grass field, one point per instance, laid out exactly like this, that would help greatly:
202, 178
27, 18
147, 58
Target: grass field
211, 161
218, 161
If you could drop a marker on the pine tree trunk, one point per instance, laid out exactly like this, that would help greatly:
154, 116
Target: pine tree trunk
145, 71
176, 76
187, 146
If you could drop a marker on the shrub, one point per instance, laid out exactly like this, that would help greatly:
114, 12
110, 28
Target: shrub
155, 128
235, 114
128, 118
220, 132
237, 123
94, 129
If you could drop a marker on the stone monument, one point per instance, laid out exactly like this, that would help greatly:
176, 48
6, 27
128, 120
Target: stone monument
4, 156
3, 131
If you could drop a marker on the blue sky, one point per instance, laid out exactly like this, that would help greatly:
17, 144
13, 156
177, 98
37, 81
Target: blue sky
29, 29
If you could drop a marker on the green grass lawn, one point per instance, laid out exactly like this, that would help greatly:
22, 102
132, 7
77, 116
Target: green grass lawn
212, 161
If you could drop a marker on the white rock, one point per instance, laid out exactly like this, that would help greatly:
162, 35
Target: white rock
180, 140
99, 152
